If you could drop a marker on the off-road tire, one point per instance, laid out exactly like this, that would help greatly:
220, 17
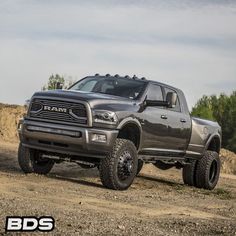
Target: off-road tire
189, 173
109, 166
24, 159
140, 166
208, 170
29, 161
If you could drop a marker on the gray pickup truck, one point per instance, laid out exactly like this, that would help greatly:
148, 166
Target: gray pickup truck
117, 124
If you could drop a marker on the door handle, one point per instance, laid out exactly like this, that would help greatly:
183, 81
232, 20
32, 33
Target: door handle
164, 117
182, 120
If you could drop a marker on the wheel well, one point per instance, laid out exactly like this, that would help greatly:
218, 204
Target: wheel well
214, 145
130, 132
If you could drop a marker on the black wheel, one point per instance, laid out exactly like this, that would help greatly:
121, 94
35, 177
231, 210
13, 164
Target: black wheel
189, 173
140, 166
208, 170
118, 170
31, 161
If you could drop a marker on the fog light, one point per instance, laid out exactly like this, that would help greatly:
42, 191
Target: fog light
101, 138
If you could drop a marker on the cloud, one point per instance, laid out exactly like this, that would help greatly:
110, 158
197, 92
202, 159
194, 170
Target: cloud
189, 44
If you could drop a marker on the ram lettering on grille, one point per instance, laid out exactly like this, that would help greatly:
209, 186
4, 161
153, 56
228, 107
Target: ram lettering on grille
56, 109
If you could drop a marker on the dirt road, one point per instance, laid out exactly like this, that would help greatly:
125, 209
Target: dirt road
157, 203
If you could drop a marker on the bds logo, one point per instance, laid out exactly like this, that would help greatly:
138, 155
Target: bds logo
29, 224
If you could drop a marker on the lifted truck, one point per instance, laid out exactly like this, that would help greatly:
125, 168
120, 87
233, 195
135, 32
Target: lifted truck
116, 124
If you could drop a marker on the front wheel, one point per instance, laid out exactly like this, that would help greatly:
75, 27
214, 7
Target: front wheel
118, 169
31, 161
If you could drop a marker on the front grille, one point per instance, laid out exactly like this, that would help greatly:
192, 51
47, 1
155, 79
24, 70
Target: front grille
61, 111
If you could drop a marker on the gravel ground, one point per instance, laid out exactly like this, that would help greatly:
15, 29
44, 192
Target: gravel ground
156, 204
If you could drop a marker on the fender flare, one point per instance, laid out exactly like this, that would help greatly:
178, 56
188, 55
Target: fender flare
134, 121
214, 135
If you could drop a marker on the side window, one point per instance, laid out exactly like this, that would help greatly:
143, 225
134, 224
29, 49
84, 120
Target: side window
177, 106
154, 93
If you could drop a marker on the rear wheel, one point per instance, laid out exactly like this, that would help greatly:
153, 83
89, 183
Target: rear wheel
31, 161
208, 170
118, 170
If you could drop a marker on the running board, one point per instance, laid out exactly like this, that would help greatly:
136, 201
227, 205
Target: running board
162, 158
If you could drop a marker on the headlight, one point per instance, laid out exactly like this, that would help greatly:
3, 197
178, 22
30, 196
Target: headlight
105, 117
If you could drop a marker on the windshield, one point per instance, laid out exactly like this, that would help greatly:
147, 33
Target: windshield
122, 87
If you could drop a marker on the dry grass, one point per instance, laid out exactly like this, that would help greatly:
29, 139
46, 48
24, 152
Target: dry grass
228, 161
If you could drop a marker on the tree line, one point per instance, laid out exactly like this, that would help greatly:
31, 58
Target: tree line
223, 110
56, 81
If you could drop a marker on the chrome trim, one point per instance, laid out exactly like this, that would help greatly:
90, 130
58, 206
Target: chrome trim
196, 145
162, 150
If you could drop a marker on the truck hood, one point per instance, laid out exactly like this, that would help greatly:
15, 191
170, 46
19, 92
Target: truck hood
95, 100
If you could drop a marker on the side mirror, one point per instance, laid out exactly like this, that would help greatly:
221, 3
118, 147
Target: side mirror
171, 99
59, 85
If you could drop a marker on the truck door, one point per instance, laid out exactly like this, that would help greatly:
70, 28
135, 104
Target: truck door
179, 125
154, 123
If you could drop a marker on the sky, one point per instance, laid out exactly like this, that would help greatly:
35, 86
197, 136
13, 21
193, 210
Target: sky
188, 44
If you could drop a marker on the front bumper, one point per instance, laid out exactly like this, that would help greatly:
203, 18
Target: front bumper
65, 139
